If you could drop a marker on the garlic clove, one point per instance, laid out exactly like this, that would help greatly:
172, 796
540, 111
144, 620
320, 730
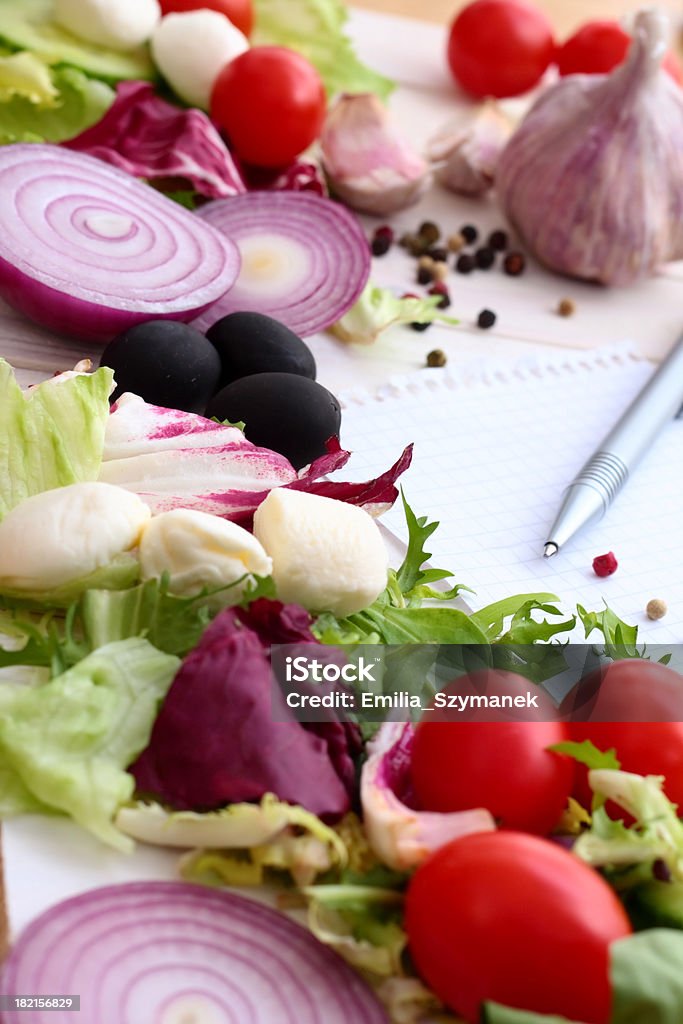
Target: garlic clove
592, 180
464, 156
367, 164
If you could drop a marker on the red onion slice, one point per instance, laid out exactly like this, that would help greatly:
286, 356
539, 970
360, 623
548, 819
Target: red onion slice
305, 259
88, 250
172, 953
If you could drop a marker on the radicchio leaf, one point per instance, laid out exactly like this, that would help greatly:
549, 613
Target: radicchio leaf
216, 740
150, 138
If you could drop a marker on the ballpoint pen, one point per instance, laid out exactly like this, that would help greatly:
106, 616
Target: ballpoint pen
605, 473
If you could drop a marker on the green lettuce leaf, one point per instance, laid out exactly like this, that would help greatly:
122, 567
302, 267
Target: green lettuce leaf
122, 572
52, 435
70, 740
316, 29
78, 103
29, 25
378, 308
24, 74
647, 978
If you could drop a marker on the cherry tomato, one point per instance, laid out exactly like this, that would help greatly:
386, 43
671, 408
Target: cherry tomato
270, 102
499, 47
240, 12
504, 766
514, 919
600, 46
627, 707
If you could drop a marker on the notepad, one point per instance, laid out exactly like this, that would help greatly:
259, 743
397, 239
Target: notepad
495, 449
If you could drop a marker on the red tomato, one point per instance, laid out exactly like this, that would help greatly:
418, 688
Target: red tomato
240, 12
600, 46
626, 707
517, 920
270, 102
500, 47
504, 766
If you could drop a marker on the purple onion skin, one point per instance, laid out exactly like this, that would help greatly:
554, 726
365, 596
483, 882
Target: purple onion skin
64, 314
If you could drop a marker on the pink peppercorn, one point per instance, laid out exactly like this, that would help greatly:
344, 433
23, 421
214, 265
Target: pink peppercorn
605, 565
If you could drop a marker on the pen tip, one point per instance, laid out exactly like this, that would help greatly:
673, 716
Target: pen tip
550, 549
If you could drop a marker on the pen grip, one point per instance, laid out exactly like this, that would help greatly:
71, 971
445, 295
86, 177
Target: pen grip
606, 473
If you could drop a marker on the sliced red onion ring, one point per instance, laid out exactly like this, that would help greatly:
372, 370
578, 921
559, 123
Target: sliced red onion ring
88, 250
305, 259
173, 953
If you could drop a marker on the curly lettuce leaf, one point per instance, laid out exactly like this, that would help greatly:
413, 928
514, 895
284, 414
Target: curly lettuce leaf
78, 103
24, 74
316, 29
52, 435
378, 308
494, 1013
656, 832
69, 741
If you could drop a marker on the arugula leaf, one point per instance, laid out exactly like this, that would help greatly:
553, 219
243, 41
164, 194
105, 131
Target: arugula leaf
412, 573
620, 638
494, 1013
587, 753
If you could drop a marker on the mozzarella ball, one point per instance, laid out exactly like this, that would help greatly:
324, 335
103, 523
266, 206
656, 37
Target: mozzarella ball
116, 24
61, 535
199, 550
327, 555
190, 50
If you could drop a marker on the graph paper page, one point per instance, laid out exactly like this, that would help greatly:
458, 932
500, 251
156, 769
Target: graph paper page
494, 452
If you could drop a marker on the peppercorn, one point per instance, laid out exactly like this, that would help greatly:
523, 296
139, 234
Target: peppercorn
498, 241
469, 233
425, 275
415, 246
426, 261
438, 254
485, 257
440, 289
456, 242
385, 231
429, 232
566, 307
486, 319
437, 357
440, 271
421, 327
514, 263
656, 609
464, 263
605, 565
380, 245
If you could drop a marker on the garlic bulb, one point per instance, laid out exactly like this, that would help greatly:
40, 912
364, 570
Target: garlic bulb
368, 166
464, 156
592, 180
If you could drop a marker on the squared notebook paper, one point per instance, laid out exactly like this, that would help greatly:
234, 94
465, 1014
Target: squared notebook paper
495, 449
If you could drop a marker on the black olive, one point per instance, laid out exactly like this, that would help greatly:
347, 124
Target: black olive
166, 363
285, 412
253, 343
